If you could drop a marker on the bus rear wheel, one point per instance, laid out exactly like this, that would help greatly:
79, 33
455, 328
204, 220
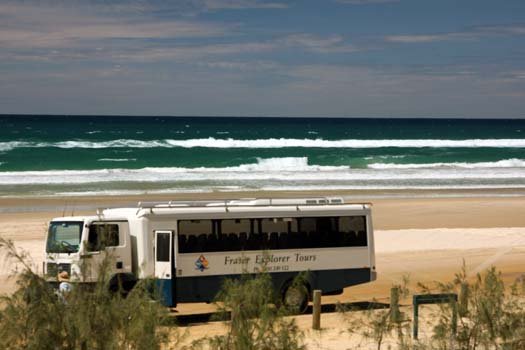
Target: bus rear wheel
295, 298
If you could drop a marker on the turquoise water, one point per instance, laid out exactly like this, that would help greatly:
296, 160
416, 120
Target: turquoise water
44, 155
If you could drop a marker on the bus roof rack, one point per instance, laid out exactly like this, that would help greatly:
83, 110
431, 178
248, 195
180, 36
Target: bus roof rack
243, 202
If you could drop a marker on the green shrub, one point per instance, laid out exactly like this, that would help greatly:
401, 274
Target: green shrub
34, 317
380, 326
490, 317
256, 323
486, 316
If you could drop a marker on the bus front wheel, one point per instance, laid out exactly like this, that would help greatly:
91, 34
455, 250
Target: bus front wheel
295, 298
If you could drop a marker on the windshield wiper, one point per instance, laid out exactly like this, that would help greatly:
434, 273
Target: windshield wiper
68, 247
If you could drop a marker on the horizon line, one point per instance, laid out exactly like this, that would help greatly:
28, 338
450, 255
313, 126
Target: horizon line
260, 116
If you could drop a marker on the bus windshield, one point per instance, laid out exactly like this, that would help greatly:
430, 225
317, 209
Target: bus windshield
64, 237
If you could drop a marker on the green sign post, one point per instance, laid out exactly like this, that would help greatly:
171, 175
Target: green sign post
421, 299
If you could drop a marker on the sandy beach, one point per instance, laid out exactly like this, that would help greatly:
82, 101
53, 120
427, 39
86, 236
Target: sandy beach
411, 234
427, 239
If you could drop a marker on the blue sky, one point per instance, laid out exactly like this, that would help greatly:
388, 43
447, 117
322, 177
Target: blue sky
353, 58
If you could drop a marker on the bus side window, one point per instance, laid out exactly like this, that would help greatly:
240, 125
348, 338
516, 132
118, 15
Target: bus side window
195, 233
102, 236
182, 243
353, 229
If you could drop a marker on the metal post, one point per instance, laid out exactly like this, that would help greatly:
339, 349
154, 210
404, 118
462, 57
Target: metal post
316, 315
433, 299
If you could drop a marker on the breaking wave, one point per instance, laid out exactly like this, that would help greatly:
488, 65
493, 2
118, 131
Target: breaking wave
292, 170
268, 143
117, 159
507, 163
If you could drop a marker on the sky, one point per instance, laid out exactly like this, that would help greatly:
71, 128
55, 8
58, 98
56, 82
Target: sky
333, 58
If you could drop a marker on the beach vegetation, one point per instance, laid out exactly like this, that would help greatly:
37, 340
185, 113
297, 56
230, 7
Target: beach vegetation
256, 320
36, 316
488, 315
380, 327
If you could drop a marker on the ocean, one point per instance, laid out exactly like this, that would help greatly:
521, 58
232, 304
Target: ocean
102, 155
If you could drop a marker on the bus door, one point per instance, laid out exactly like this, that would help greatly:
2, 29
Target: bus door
107, 237
165, 266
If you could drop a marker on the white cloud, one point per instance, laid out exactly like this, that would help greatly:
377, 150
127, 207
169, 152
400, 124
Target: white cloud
189, 53
364, 2
59, 34
501, 29
244, 66
32, 33
66, 36
473, 33
26, 26
316, 43
241, 4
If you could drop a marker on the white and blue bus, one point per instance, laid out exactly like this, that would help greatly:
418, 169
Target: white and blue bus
191, 247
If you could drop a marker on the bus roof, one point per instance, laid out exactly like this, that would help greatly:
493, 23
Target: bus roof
246, 202
243, 207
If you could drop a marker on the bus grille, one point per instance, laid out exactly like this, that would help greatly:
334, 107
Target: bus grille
53, 269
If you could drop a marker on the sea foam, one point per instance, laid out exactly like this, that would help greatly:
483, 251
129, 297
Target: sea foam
269, 143
288, 169
506, 163
117, 159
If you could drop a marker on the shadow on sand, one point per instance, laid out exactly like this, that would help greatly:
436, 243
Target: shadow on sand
186, 320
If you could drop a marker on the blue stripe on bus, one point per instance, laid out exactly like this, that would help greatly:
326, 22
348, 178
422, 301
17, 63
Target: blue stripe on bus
205, 288
165, 291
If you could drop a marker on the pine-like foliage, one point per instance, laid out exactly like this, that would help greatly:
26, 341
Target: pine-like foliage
256, 322
35, 317
489, 316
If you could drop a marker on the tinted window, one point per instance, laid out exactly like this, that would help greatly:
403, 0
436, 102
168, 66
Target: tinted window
278, 225
274, 233
237, 225
163, 246
352, 223
196, 227
102, 236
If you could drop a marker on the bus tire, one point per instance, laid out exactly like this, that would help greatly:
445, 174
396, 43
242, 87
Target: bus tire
295, 297
122, 283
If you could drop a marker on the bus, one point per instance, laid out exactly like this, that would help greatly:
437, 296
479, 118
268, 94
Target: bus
190, 247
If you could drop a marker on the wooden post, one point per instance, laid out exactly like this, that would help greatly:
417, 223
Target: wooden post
232, 315
463, 300
395, 315
454, 321
316, 314
415, 320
